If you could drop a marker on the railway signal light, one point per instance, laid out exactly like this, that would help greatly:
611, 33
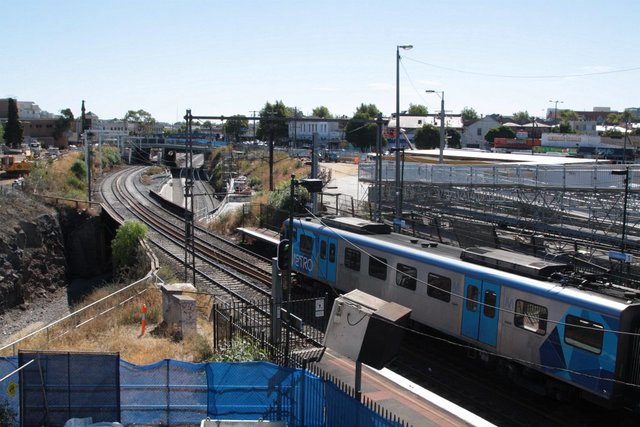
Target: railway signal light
284, 254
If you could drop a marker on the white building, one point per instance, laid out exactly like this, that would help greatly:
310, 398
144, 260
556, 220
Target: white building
28, 110
586, 127
302, 130
473, 135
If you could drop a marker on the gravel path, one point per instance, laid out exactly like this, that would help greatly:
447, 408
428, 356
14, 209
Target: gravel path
27, 318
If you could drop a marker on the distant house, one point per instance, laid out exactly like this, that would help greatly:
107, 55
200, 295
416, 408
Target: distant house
328, 131
473, 135
409, 124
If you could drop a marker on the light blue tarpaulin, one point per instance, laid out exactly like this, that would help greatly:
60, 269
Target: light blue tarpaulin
171, 392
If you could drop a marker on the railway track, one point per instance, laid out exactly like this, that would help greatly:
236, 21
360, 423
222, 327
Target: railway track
247, 280
449, 370
222, 268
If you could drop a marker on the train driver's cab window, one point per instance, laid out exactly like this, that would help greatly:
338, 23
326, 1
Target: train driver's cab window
323, 249
584, 334
352, 259
406, 276
306, 244
439, 287
472, 298
378, 268
531, 317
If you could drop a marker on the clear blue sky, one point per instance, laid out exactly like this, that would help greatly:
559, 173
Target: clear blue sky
230, 57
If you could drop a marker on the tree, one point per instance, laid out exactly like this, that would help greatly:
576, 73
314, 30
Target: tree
235, 126
565, 127
427, 137
418, 110
144, 121
360, 133
453, 138
521, 117
614, 118
468, 114
63, 124
1, 134
569, 116
13, 128
321, 112
271, 121
499, 132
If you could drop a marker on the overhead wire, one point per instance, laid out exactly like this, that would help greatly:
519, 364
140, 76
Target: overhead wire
524, 76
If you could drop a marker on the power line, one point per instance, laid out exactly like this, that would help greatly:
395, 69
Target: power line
524, 76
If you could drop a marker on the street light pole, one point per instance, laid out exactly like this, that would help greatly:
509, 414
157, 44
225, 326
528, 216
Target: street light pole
442, 137
398, 216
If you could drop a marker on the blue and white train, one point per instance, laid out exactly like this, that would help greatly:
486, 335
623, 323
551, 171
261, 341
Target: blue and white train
528, 314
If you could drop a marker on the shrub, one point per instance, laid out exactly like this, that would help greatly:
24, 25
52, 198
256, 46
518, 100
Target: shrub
79, 170
279, 199
200, 348
255, 182
125, 247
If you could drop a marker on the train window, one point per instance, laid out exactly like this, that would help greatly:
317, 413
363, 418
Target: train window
472, 298
439, 287
378, 268
306, 244
332, 252
530, 316
323, 249
406, 276
352, 259
490, 304
584, 334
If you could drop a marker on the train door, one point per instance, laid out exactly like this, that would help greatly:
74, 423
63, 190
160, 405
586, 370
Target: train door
481, 311
327, 255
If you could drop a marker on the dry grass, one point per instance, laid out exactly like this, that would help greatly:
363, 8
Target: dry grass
283, 167
118, 331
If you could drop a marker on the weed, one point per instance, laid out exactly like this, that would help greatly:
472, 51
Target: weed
241, 350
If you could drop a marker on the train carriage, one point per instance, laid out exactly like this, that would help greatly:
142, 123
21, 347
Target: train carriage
529, 313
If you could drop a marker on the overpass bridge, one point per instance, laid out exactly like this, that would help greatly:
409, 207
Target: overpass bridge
145, 148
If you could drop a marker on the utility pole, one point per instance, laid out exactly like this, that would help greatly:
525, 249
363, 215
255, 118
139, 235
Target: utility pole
379, 166
189, 243
295, 128
271, 137
87, 147
442, 142
253, 114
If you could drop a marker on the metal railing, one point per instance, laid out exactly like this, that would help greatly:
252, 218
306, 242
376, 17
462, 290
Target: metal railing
596, 176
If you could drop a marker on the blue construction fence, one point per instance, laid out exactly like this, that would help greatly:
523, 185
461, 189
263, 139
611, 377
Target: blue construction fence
54, 387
